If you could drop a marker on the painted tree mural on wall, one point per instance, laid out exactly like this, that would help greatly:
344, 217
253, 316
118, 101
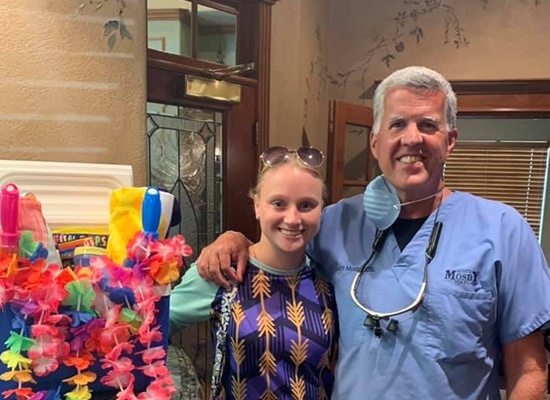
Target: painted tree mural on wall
407, 28
407, 31
317, 75
114, 28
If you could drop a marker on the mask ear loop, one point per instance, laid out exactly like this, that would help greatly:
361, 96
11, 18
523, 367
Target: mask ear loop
397, 206
422, 199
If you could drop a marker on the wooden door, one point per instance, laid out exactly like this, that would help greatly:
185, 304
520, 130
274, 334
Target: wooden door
350, 165
218, 199
239, 154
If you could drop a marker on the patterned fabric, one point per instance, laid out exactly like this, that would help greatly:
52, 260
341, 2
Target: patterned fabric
281, 337
220, 345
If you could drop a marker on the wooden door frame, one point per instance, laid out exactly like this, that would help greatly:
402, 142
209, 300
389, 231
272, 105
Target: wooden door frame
340, 115
503, 98
254, 46
165, 83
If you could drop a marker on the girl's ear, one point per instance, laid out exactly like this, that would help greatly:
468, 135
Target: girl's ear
257, 207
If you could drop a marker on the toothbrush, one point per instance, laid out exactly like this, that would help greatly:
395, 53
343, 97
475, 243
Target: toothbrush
150, 213
9, 209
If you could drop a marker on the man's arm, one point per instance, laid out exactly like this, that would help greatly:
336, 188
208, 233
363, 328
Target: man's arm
214, 262
525, 368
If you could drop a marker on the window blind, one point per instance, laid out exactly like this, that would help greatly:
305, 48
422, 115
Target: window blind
512, 173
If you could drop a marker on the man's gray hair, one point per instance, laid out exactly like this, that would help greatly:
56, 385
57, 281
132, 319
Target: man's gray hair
415, 78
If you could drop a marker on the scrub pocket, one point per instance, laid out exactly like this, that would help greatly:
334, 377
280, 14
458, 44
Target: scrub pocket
456, 321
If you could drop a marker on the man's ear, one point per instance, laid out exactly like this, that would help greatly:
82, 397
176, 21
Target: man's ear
373, 145
452, 137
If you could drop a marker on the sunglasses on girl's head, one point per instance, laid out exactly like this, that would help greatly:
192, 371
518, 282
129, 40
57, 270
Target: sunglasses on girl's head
276, 155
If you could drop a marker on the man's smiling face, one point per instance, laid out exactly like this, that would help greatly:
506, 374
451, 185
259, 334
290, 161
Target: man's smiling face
413, 142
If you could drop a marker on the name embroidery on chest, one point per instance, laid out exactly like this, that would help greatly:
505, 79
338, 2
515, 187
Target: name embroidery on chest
353, 268
461, 276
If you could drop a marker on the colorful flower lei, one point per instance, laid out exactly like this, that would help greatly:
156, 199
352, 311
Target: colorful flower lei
76, 317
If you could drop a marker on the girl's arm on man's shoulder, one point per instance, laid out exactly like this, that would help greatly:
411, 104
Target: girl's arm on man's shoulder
191, 301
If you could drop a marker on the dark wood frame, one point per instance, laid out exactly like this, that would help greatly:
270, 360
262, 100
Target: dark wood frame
340, 115
504, 98
528, 86
254, 46
528, 98
169, 71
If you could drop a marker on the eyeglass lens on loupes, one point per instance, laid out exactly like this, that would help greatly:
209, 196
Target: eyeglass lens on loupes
276, 155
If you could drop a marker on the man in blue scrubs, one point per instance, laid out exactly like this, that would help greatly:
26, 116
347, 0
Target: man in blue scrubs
457, 285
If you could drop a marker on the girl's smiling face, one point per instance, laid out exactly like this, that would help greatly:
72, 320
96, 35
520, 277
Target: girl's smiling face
288, 205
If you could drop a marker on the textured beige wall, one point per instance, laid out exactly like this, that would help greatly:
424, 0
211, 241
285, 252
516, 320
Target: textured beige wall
285, 81
298, 92
65, 95
507, 40
501, 40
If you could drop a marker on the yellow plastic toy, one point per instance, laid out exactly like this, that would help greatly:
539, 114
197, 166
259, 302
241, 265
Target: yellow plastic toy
125, 219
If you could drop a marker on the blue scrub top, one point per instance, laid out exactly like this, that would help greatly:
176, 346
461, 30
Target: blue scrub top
488, 285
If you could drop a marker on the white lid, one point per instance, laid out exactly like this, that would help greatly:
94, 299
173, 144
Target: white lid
71, 194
